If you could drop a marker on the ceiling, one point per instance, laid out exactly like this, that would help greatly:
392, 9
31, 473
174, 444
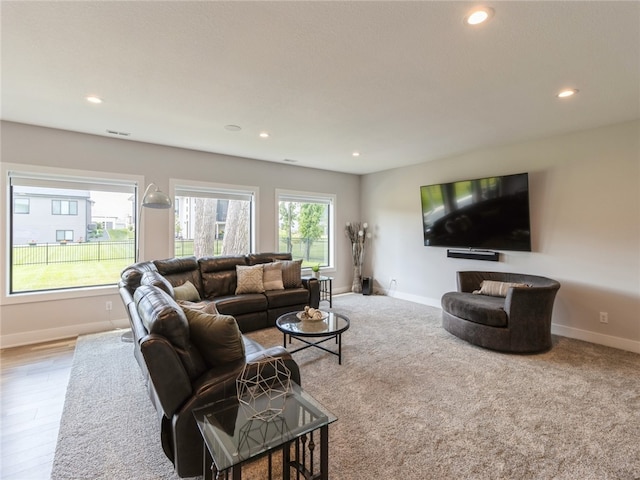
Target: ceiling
400, 82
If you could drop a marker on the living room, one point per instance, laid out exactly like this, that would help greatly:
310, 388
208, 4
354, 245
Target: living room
592, 251
584, 179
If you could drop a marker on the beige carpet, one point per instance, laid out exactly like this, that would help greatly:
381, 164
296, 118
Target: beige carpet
412, 401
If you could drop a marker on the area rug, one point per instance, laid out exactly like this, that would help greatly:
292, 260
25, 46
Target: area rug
412, 401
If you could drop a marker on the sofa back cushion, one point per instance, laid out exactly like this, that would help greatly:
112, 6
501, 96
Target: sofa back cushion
132, 275
219, 275
256, 258
161, 315
178, 271
157, 280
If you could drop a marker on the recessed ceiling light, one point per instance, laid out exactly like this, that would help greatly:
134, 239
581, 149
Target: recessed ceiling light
93, 99
478, 15
233, 128
356, 154
264, 135
567, 92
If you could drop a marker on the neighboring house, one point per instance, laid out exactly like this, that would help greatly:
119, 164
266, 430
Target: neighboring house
47, 215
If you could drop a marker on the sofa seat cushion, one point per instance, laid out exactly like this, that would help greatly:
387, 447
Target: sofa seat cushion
284, 298
240, 304
480, 309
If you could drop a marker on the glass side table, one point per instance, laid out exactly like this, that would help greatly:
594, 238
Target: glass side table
232, 437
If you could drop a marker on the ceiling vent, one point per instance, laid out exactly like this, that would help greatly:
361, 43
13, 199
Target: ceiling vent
120, 134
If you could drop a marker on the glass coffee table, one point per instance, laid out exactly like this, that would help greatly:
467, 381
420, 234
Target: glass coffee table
332, 326
233, 436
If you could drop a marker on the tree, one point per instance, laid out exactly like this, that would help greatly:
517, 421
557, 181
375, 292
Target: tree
310, 227
288, 215
204, 223
236, 231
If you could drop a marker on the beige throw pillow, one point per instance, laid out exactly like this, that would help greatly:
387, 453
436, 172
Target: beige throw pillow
249, 279
186, 291
203, 306
272, 276
496, 289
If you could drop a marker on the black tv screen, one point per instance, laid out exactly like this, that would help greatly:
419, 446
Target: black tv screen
485, 213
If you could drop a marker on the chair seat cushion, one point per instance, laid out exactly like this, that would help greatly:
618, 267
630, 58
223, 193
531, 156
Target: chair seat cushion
480, 309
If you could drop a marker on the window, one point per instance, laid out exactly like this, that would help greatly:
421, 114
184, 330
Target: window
213, 220
20, 205
64, 235
79, 232
305, 226
64, 207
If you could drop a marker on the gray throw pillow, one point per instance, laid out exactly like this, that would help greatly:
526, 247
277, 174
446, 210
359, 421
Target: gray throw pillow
292, 273
186, 291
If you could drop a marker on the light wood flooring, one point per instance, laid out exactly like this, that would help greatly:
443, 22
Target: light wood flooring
34, 383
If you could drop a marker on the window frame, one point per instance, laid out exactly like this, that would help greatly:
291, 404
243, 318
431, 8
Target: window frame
311, 197
7, 298
179, 186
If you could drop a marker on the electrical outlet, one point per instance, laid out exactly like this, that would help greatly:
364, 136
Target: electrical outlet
604, 317
108, 306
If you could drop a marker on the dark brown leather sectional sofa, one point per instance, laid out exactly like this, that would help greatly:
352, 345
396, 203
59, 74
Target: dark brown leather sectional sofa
176, 373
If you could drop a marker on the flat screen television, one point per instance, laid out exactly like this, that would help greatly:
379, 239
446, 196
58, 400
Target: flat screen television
484, 213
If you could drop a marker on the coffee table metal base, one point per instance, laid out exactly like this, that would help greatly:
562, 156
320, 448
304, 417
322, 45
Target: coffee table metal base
309, 344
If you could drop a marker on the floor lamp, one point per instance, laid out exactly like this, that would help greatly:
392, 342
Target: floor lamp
151, 199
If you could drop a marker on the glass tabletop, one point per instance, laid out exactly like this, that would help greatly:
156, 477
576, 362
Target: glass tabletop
291, 323
232, 435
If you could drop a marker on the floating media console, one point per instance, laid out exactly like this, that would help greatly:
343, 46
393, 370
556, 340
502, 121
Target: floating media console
471, 254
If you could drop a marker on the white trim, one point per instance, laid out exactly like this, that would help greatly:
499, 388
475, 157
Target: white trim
594, 337
5, 233
60, 333
329, 199
198, 186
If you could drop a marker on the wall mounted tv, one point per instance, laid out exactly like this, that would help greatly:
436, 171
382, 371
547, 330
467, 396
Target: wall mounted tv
485, 213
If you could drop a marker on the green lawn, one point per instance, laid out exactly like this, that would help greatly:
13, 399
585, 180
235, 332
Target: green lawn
67, 275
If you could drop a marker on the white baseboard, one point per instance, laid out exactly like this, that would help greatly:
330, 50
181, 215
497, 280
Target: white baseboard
59, 333
599, 338
52, 334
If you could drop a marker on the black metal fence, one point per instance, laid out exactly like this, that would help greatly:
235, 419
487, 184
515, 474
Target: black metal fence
47, 253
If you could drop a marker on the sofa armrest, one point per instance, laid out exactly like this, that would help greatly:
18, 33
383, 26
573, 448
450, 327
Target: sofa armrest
313, 285
282, 353
166, 372
530, 304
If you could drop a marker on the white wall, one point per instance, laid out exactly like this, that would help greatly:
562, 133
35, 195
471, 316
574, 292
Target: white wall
33, 318
585, 204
